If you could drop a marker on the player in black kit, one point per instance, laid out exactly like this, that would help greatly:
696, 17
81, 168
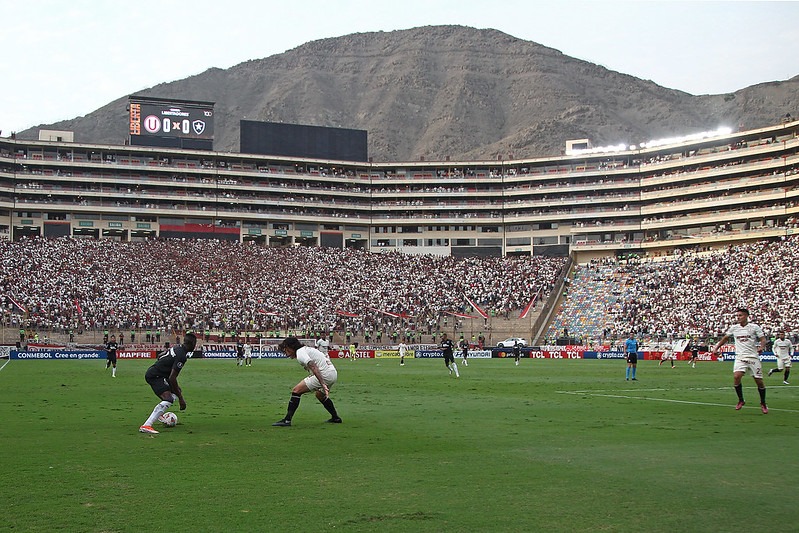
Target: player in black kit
447, 346
163, 378
111, 356
239, 353
694, 348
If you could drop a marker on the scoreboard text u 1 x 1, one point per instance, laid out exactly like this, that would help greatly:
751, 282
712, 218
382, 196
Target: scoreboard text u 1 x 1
171, 119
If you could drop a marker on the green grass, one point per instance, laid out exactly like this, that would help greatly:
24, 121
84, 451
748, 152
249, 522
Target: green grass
530, 448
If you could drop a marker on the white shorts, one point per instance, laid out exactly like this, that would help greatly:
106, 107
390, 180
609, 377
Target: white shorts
749, 366
666, 356
331, 376
782, 364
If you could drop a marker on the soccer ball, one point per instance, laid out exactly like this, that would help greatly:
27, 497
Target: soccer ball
169, 419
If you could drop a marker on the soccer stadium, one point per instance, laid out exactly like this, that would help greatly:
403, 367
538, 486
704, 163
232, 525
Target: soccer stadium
128, 248
508, 236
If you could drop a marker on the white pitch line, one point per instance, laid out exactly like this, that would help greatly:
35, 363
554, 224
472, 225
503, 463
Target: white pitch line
593, 391
585, 393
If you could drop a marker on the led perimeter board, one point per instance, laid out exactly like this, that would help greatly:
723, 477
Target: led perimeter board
309, 142
164, 122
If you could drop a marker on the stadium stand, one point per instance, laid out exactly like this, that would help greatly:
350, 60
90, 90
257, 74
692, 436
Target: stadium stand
666, 203
57, 285
686, 294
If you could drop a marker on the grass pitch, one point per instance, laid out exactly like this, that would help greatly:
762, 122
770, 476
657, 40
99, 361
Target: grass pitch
550, 445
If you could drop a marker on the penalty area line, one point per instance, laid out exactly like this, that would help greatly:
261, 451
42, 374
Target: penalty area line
668, 400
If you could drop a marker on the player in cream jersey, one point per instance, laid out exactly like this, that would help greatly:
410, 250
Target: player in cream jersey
307, 355
783, 350
322, 345
749, 342
322, 376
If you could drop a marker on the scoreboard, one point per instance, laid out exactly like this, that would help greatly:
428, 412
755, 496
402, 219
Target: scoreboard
299, 140
172, 123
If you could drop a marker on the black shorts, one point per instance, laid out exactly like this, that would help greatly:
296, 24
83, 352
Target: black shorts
449, 359
159, 384
632, 358
112, 357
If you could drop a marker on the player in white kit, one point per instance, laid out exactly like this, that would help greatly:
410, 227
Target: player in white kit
322, 375
749, 342
783, 350
668, 355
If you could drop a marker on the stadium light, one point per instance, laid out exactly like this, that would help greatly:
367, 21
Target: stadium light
653, 144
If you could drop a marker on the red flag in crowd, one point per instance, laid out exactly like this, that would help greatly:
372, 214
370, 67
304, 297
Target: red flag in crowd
19, 305
530, 305
476, 307
389, 313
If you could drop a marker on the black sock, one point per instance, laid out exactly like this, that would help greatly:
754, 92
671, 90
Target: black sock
328, 403
787, 373
294, 402
739, 390
762, 395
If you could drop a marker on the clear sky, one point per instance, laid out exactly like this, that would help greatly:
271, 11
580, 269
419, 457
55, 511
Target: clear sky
65, 58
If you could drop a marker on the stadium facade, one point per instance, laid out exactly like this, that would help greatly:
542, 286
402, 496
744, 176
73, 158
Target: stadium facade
720, 189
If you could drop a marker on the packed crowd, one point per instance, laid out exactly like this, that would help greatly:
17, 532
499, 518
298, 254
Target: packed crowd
65, 284
686, 294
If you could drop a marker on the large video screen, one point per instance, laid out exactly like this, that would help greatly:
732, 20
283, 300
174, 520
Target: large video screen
166, 118
296, 140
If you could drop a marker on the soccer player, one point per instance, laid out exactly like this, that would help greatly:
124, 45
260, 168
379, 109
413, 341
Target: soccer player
694, 352
239, 353
162, 377
353, 351
448, 347
749, 342
631, 353
465, 352
322, 345
247, 354
321, 376
783, 350
517, 352
402, 348
111, 356
668, 355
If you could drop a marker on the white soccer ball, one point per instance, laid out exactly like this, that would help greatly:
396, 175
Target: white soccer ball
169, 419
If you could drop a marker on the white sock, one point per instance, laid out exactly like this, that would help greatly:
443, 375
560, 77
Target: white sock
455, 369
114, 372
158, 411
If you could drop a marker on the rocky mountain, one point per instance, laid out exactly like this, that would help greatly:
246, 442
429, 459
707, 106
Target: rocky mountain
448, 91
